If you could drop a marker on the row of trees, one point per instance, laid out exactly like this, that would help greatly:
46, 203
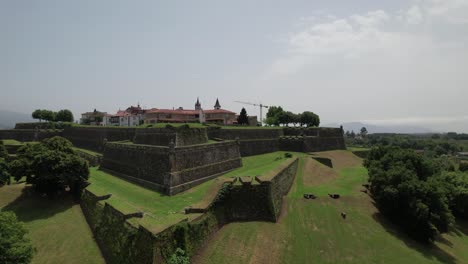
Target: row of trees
277, 116
63, 115
419, 194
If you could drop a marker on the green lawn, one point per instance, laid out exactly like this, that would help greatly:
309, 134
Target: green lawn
11, 142
357, 149
313, 231
57, 228
161, 210
90, 152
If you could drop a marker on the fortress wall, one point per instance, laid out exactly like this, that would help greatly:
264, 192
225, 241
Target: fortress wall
290, 143
313, 144
93, 160
261, 202
281, 183
313, 131
141, 162
170, 170
244, 134
180, 136
26, 135
118, 239
258, 146
93, 137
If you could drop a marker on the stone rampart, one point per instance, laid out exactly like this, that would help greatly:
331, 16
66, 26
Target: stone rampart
263, 201
170, 170
313, 131
180, 136
244, 134
27, 135
258, 146
93, 137
313, 144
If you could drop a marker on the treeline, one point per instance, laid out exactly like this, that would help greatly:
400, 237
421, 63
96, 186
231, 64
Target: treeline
63, 115
422, 195
276, 116
431, 147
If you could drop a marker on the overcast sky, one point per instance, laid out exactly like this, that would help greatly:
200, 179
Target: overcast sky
384, 62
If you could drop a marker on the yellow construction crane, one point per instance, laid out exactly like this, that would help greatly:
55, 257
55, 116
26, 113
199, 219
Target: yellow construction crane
259, 105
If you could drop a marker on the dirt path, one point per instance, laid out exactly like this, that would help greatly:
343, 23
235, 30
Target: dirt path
341, 159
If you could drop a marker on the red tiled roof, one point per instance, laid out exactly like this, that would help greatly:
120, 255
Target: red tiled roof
218, 111
176, 111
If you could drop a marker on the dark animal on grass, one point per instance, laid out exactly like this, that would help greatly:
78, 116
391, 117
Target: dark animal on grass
334, 196
343, 214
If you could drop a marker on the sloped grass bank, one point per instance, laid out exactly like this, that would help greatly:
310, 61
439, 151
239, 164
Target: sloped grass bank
313, 231
57, 228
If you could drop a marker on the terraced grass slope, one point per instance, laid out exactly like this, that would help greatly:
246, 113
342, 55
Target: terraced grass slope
57, 228
313, 231
162, 211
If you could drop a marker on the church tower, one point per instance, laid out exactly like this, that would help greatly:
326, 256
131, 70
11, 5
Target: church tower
197, 105
217, 105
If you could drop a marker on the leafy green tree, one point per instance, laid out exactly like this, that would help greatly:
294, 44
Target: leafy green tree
4, 172
37, 114
179, 257
403, 190
48, 115
51, 166
243, 119
363, 132
455, 186
15, 246
272, 116
64, 115
286, 118
310, 119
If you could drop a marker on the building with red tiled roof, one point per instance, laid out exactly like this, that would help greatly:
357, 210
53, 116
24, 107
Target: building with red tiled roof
197, 115
132, 116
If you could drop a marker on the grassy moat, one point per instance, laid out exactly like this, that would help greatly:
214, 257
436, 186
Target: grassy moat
309, 231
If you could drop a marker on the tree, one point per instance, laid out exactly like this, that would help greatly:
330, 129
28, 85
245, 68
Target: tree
37, 114
455, 186
51, 166
243, 119
285, 118
4, 172
64, 115
347, 134
352, 134
48, 115
15, 247
363, 132
309, 119
3, 151
272, 116
403, 189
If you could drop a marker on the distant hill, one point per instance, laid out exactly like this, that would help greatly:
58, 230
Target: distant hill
8, 119
356, 126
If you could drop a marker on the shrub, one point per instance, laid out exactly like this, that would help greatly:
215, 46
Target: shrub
4, 172
15, 247
463, 166
288, 155
179, 257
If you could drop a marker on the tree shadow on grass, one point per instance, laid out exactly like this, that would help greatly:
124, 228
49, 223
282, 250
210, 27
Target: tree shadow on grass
30, 206
430, 251
460, 228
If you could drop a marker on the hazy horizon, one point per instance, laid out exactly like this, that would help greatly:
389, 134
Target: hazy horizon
377, 62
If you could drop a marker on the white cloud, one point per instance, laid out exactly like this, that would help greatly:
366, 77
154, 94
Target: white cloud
407, 63
414, 15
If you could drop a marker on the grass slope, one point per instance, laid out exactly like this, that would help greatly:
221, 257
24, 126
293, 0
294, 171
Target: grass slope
312, 231
161, 210
57, 228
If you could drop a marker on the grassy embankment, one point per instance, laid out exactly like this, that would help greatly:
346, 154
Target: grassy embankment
57, 227
161, 210
312, 231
